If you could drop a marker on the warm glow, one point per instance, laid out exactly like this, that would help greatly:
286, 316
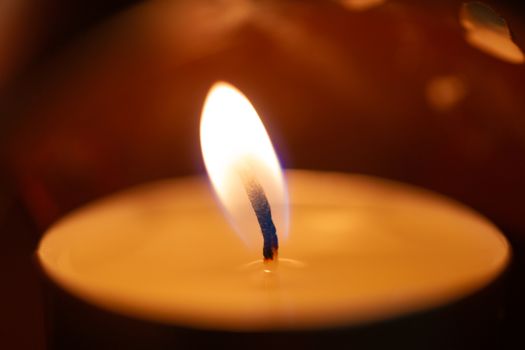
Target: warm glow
445, 92
234, 145
487, 31
360, 5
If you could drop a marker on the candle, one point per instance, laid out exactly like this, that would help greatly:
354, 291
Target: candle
360, 249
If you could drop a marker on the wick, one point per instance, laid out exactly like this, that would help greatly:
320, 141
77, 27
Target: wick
262, 209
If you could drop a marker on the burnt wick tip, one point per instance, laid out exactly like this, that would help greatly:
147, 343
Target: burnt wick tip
263, 212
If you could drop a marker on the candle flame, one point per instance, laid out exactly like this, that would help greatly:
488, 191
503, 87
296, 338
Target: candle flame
236, 148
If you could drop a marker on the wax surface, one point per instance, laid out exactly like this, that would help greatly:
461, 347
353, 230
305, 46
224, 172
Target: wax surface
360, 249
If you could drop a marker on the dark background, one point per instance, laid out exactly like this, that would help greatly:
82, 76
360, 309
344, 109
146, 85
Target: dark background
32, 33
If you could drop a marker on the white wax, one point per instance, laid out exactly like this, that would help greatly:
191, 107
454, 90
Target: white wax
360, 249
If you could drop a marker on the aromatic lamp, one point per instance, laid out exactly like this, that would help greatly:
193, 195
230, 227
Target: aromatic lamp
361, 250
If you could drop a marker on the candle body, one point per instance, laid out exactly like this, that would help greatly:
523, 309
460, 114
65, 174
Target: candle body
360, 250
